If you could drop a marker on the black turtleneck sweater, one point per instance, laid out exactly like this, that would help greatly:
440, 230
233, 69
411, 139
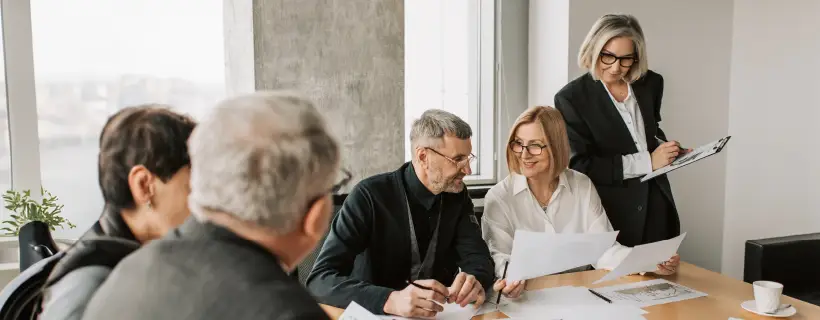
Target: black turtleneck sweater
367, 254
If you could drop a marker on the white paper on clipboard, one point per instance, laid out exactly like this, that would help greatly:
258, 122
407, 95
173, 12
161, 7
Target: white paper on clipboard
689, 158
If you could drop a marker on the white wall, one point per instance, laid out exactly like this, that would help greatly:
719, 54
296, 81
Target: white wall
773, 177
549, 50
694, 58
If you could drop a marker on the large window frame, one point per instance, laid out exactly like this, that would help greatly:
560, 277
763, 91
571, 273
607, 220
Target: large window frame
24, 138
432, 79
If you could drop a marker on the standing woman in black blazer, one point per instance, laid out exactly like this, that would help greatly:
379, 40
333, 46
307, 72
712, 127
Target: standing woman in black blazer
612, 115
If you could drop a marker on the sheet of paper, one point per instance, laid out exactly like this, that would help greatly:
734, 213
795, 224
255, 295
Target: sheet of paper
696, 154
579, 312
356, 312
645, 258
453, 311
648, 293
536, 254
565, 303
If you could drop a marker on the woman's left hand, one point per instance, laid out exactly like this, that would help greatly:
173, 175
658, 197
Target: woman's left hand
669, 267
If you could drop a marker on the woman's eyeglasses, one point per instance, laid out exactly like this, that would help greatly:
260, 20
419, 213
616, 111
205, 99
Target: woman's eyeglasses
609, 59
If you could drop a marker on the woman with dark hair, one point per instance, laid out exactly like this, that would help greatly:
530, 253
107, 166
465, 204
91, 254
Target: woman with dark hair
144, 172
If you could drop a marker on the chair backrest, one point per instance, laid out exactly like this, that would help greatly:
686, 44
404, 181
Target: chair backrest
36, 243
788, 260
20, 298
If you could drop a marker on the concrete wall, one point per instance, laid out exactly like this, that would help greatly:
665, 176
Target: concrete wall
349, 57
773, 174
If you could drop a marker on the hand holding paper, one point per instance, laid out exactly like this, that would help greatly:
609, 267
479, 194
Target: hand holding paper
645, 258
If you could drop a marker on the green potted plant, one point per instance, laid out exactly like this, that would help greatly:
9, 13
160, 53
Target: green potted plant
24, 209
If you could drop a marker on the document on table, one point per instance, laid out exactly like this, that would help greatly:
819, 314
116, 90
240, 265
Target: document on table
356, 312
536, 254
645, 258
453, 311
689, 158
649, 293
567, 303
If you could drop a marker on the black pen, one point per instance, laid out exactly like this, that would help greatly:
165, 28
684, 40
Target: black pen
600, 296
413, 283
498, 299
664, 140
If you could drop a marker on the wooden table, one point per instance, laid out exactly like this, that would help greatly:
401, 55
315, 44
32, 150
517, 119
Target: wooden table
725, 295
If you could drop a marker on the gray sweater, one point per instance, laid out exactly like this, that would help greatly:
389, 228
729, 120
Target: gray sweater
201, 271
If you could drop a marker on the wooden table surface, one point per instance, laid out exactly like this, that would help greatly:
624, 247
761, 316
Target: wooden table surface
725, 295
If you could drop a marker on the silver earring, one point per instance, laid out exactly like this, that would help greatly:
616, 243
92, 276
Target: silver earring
148, 204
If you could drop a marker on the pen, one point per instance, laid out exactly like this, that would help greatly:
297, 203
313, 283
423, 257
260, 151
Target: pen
600, 296
498, 299
664, 140
413, 283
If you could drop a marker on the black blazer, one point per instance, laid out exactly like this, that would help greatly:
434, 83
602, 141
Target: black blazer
598, 138
367, 254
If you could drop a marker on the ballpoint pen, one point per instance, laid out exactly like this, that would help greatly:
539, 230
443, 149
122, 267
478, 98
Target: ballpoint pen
664, 140
413, 283
600, 296
498, 299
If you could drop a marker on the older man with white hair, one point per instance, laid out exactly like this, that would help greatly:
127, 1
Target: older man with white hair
262, 171
407, 241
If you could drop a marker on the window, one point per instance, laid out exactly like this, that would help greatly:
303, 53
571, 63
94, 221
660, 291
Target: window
449, 64
94, 57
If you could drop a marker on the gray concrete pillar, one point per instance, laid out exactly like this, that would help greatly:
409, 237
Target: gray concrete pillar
348, 56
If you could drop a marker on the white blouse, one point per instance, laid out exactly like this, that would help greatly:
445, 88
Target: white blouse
574, 208
640, 163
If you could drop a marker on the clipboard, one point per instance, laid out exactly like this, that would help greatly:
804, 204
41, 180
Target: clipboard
696, 155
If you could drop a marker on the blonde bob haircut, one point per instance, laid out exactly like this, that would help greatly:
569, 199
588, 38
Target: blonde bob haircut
555, 130
606, 28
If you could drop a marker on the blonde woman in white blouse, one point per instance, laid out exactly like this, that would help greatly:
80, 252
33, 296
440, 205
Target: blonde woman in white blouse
542, 194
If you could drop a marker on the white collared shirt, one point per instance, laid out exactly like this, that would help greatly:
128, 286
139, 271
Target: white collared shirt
574, 208
640, 163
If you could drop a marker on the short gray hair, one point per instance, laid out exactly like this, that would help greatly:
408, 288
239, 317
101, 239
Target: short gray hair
612, 26
433, 125
262, 158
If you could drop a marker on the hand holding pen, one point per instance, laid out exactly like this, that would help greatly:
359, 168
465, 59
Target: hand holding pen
511, 289
421, 298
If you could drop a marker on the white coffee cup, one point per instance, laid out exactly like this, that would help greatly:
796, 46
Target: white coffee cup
767, 295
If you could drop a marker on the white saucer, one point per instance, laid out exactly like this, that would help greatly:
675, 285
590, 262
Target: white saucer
752, 307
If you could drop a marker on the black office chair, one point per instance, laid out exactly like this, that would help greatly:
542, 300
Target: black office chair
793, 261
306, 266
36, 243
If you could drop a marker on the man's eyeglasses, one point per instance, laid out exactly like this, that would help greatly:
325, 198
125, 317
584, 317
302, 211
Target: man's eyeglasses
533, 149
346, 177
460, 162
626, 62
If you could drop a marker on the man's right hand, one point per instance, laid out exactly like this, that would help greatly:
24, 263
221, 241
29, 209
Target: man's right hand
664, 154
414, 302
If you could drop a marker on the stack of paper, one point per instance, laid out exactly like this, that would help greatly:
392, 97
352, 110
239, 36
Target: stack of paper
536, 254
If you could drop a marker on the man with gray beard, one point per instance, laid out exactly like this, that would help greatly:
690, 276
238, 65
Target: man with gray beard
407, 239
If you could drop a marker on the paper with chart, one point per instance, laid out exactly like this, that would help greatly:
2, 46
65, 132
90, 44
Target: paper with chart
567, 303
689, 158
536, 254
649, 293
354, 311
645, 258
453, 311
